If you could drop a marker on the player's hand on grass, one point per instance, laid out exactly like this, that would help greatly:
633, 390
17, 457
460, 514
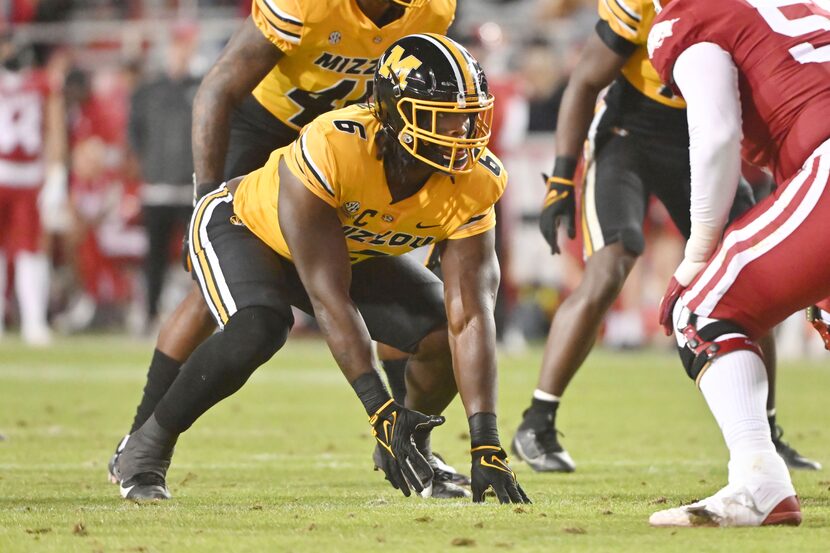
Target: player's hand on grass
491, 469
399, 459
558, 208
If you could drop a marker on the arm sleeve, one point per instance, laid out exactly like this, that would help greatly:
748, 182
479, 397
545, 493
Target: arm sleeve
311, 160
618, 44
708, 79
280, 21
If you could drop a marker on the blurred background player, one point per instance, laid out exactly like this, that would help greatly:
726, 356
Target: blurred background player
32, 151
756, 77
637, 147
159, 135
288, 63
324, 226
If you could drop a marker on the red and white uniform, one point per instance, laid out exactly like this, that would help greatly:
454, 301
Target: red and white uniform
760, 70
23, 98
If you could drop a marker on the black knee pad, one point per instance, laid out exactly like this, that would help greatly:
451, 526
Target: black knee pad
694, 361
633, 240
222, 365
253, 335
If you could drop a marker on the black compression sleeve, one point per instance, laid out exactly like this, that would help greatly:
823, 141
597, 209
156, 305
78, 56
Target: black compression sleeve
564, 167
615, 42
371, 391
483, 430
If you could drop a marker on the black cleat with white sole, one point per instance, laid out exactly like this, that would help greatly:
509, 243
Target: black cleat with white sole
141, 465
444, 482
145, 486
112, 472
437, 462
541, 450
791, 456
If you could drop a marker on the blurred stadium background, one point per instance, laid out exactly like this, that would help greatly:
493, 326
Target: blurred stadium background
100, 51
244, 476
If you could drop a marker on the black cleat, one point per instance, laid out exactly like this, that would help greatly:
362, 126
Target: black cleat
541, 450
145, 486
437, 462
445, 482
141, 465
444, 488
792, 458
112, 472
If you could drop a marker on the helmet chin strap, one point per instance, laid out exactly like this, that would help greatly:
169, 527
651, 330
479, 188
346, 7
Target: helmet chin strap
399, 164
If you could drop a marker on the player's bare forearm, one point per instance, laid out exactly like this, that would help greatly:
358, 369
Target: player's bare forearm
471, 279
597, 67
315, 238
345, 333
474, 363
244, 62
210, 135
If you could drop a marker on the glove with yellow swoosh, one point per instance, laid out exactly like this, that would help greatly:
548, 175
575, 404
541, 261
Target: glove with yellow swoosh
560, 203
491, 470
399, 459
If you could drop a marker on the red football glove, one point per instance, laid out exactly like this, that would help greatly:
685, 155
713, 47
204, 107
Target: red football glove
667, 305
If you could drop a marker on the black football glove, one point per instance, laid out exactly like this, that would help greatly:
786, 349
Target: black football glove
399, 459
491, 470
559, 207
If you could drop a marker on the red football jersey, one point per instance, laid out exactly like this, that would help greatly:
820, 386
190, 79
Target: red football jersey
782, 51
23, 98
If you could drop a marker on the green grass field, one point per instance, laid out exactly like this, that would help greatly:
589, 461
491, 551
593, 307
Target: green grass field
285, 464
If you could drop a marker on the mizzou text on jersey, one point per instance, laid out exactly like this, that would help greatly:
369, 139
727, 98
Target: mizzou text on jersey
331, 49
355, 184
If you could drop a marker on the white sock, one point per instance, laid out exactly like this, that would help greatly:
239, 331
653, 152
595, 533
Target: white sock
2, 292
735, 387
544, 396
32, 287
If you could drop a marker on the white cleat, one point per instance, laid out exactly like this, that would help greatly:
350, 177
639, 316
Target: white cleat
730, 507
37, 337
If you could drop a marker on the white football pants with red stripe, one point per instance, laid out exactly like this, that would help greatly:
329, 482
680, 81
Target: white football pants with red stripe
775, 259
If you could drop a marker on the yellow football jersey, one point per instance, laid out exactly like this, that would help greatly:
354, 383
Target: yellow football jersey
331, 49
631, 20
335, 158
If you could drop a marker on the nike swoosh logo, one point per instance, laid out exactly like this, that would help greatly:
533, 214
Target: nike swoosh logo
556, 197
419, 225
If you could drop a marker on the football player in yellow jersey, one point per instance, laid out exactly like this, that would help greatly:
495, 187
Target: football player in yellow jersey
322, 226
637, 147
289, 62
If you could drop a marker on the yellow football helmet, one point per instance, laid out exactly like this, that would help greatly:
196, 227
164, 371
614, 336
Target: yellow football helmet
432, 95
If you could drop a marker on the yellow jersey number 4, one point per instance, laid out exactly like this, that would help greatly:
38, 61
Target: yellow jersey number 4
313, 104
